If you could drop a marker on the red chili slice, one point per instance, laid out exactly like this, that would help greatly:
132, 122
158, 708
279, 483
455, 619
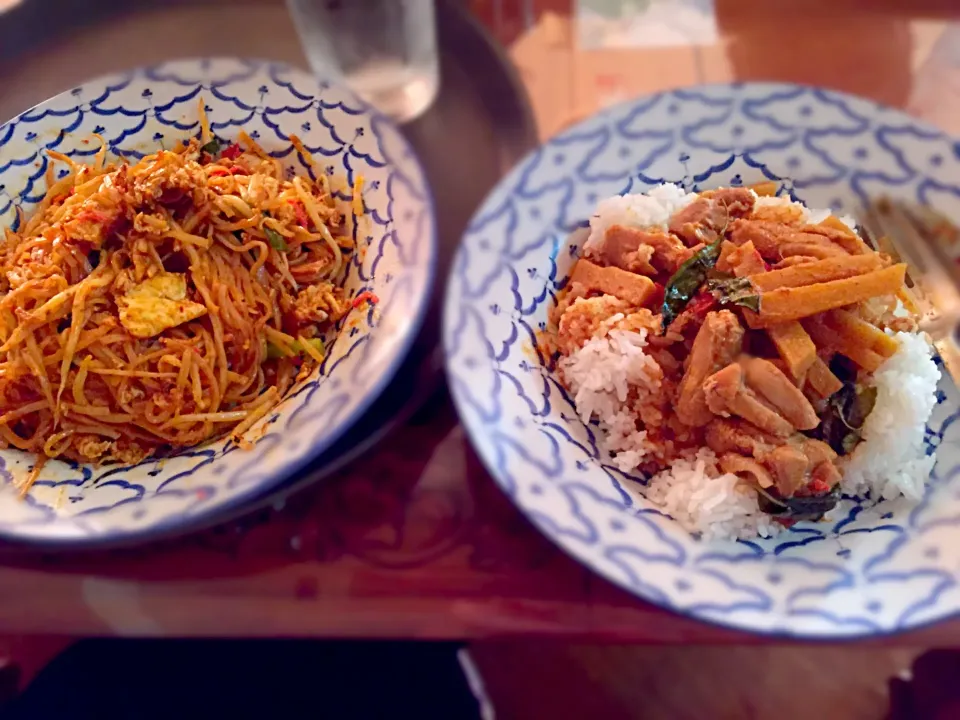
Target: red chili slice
818, 487
301, 213
701, 304
232, 152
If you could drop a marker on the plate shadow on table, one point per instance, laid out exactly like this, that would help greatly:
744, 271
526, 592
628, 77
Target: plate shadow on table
406, 507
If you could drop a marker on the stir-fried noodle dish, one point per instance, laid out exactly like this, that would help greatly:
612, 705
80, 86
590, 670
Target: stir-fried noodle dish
151, 306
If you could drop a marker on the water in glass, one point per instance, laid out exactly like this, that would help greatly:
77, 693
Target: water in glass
385, 50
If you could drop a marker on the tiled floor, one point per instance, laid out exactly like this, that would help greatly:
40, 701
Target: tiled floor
546, 680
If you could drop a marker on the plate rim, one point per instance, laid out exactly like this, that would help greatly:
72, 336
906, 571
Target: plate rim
180, 524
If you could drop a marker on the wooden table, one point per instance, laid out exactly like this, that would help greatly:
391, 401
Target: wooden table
416, 540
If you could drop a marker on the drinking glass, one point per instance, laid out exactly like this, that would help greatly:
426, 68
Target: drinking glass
384, 50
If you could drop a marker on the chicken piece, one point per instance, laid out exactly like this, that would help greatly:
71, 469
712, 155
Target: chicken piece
775, 241
739, 202
735, 435
740, 465
668, 252
725, 392
706, 217
793, 260
800, 461
728, 251
792, 461
157, 304
581, 320
767, 380
698, 222
747, 405
839, 234
744, 260
635, 289
718, 342
818, 250
627, 249
817, 451
826, 472
789, 466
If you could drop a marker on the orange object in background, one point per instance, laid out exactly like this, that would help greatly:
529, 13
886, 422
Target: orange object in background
887, 53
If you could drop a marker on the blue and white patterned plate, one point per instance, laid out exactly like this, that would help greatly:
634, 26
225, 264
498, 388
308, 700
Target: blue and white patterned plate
141, 111
876, 570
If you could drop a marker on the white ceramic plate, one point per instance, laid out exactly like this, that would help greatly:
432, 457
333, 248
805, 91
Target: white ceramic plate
876, 570
140, 111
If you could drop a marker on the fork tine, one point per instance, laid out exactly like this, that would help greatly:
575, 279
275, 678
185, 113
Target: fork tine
914, 235
897, 228
909, 240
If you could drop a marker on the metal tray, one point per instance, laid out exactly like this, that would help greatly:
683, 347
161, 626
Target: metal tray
480, 125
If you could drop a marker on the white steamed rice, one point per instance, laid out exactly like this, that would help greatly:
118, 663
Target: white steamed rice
600, 374
703, 500
651, 210
890, 461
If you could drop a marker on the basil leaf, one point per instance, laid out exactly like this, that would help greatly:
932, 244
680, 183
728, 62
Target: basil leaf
770, 502
735, 291
863, 402
843, 418
714, 274
850, 442
212, 147
275, 239
812, 507
798, 508
685, 282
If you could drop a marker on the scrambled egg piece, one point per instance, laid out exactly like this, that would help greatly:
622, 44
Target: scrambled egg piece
156, 304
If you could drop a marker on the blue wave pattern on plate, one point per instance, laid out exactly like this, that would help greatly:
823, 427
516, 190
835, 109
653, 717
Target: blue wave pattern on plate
139, 112
873, 570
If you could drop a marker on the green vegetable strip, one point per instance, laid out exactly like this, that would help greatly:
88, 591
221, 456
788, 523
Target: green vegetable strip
275, 239
274, 352
685, 282
212, 147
